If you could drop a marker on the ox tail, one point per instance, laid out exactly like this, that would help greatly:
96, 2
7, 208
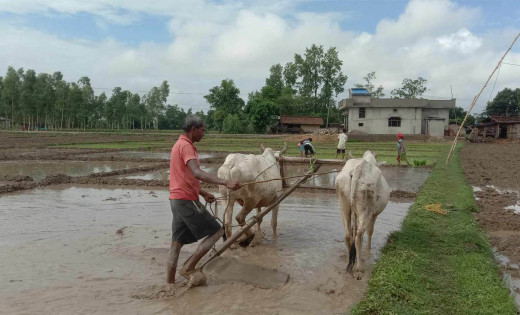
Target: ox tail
351, 257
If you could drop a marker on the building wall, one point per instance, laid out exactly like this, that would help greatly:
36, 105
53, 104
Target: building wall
513, 131
376, 120
435, 127
436, 113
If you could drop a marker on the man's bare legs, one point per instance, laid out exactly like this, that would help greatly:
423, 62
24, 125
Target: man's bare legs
171, 265
204, 247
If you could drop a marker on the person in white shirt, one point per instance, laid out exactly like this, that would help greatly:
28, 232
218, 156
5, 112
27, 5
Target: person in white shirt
342, 137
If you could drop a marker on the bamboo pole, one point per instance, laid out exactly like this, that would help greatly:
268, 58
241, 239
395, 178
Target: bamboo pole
476, 98
295, 159
233, 238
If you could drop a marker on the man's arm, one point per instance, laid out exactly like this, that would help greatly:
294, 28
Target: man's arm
208, 178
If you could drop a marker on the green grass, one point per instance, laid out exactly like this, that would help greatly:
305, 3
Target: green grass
438, 264
386, 151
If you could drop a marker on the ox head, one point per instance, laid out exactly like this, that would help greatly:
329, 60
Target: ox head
370, 156
276, 153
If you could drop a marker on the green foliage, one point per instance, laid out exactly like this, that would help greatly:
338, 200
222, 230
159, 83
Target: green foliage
262, 111
225, 100
375, 92
505, 103
457, 115
42, 100
419, 162
411, 88
232, 124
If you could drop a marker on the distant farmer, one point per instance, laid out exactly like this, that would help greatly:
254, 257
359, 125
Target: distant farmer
401, 150
342, 140
307, 146
301, 148
191, 221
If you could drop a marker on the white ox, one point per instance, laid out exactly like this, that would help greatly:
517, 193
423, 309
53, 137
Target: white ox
363, 194
251, 168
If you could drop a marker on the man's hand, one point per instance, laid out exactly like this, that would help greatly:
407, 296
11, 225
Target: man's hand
210, 198
233, 184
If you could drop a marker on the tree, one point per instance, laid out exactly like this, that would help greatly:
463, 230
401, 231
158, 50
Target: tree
411, 88
375, 92
457, 115
173, 118
232, 124
225, 100
333, 79
11, 92
262, 111
505, 103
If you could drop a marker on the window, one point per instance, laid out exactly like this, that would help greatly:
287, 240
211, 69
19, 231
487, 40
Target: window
361, 112
394, 122
395, 109
360, 124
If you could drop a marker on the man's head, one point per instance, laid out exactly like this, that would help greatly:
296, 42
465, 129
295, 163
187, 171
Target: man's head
194, 127
344, 130
310, 139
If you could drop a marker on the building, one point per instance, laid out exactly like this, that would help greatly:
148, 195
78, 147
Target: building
299, 124
499, 127
364, 114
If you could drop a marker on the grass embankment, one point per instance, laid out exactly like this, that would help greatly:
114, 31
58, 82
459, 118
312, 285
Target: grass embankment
386, 151
438, 264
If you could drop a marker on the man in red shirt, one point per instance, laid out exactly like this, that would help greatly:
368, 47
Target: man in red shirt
191, 221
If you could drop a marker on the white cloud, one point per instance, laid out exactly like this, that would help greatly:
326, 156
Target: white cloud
241, 40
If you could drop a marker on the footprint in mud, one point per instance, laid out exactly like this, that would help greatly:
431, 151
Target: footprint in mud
159, 291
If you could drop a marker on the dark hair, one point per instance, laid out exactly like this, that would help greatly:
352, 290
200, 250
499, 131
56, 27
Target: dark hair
310, 139
192, 121
344, 130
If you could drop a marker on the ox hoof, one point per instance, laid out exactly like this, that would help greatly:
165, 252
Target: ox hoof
247, 241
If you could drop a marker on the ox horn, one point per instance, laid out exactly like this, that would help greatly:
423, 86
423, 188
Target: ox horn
262, 148
284, 148
350, 155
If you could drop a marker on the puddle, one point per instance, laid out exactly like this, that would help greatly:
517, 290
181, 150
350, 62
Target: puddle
515, 208
41, 169
511, 281
67, 239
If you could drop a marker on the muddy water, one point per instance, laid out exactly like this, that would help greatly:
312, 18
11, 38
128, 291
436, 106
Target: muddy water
62, 254
404, 178
144, 154
40, 169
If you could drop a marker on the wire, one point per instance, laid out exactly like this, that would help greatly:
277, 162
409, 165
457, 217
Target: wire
496, 79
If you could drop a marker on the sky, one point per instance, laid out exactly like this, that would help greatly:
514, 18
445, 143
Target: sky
196, 44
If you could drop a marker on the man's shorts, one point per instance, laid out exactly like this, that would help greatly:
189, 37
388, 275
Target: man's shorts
340, 151
191, 221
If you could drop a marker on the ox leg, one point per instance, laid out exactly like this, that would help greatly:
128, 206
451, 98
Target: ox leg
258, 233
274, 220
241, 219
362, 225
344, 206
228, 217
370, 231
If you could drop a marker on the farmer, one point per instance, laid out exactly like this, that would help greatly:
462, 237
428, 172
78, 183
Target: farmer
401, 149
191, 221
307, 145
342, 140
301, 148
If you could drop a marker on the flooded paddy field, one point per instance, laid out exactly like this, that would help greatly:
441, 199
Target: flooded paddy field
78, 248
63, 254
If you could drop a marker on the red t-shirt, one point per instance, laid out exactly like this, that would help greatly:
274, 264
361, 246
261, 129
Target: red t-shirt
183, 185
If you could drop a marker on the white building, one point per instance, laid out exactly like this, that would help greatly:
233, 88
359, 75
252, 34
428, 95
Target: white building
364, 114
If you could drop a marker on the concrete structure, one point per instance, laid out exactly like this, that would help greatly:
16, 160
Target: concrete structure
299, 124
364, 114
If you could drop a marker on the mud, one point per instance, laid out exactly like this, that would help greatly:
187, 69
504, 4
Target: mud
70, 259
493, 169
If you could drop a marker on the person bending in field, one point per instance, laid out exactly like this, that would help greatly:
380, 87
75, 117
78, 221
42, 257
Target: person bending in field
401, 150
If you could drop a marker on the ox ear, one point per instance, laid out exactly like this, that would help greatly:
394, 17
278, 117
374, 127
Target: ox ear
262, 148
350, 155
284, 148
375, 154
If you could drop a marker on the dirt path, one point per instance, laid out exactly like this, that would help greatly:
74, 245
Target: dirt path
494, 171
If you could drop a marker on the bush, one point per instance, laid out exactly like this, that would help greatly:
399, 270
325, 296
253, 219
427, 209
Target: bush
419, 162
232, 124
353, 140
